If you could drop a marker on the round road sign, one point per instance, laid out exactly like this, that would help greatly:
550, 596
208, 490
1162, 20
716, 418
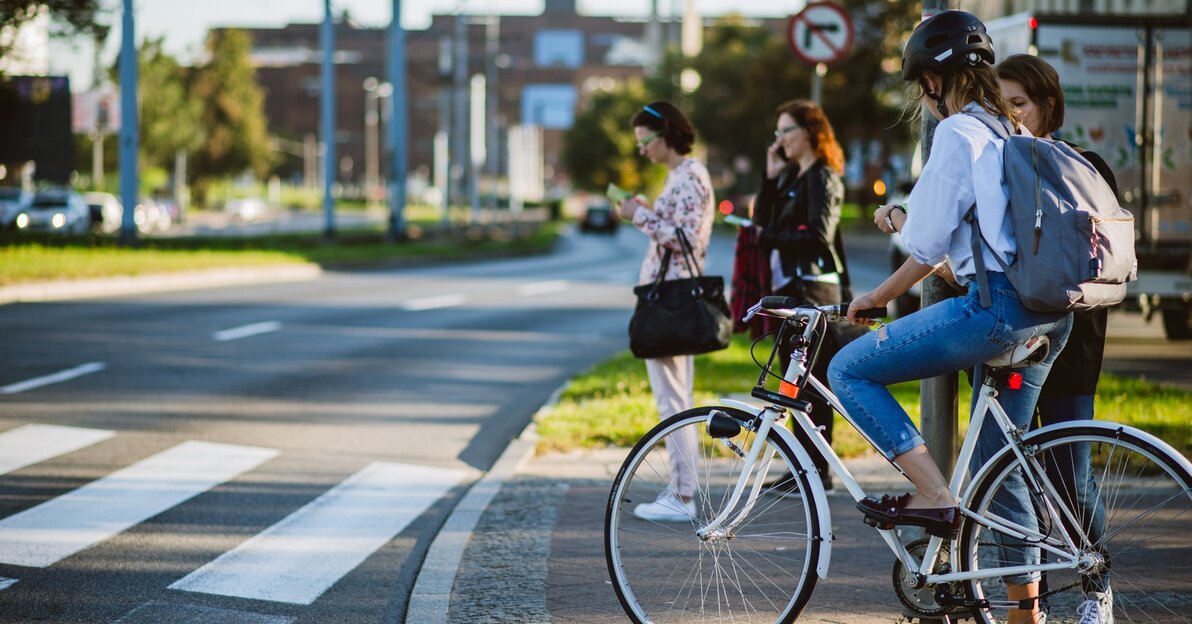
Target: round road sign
821, 33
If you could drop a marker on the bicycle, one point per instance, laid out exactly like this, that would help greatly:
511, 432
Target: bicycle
750, 555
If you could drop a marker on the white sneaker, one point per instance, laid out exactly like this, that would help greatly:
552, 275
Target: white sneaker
666, 508
1097, 608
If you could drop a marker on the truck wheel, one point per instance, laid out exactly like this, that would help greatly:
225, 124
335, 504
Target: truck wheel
1177, 323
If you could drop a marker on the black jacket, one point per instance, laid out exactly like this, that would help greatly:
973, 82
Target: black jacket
800, 217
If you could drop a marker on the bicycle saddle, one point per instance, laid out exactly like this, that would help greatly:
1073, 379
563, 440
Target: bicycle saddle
1024, 354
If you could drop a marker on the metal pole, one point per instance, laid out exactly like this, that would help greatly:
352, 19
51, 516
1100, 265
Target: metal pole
493, 47
459, 126
129, 141
371, 119
817, 82
327, 127
397, 128
937, 396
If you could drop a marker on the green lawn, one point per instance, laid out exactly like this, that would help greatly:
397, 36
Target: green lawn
34, 259
611, 404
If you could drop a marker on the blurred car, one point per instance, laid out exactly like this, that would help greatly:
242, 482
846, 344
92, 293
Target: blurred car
598, 217
56, 210
151, 216
245, 210
105, 210
13, 200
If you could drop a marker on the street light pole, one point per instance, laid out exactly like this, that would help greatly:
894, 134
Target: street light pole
398, 120
327, 125
129, 140
371, 118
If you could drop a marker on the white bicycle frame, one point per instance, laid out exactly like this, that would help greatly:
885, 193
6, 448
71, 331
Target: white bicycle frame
1066, 555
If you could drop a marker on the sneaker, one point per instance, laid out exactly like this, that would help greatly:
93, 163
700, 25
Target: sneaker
666, 508
1097, 608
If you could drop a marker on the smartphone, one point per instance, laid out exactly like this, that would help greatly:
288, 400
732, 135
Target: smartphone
738, 221
781, 153
617, 194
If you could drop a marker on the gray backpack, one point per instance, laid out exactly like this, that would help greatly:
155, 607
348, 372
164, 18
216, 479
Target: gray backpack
1075, 241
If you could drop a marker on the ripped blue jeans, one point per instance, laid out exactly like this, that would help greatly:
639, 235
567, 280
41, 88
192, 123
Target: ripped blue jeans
952, 335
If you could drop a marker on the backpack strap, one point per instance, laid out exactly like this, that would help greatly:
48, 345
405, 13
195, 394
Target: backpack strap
999, 125
976, 237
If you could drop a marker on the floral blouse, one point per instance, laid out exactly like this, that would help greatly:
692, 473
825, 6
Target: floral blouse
686, 203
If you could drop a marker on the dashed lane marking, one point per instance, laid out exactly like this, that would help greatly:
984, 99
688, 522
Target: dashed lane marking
59, 377
245, 331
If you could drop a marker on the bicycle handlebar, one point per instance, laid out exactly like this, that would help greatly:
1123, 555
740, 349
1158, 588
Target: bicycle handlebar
777, 302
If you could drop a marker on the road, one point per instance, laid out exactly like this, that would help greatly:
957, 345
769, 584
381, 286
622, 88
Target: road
285, 453
282, 452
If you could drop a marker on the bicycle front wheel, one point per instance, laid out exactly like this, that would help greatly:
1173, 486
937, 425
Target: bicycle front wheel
1125, 503
758, 569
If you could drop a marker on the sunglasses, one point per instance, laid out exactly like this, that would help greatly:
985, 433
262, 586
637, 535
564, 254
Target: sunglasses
641, 145
779, 133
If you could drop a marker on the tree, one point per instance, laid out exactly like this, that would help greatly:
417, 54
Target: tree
600, 146
171, 118
233, 112
76, 16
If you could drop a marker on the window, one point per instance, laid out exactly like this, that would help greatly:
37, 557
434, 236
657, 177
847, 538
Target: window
559, 48
549, 105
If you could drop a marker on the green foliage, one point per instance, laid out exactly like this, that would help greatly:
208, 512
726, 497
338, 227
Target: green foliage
171, 120
600, 147
232, 102
72, 16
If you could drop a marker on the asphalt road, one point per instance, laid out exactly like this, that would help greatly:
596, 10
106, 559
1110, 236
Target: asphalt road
285, 453
282, 452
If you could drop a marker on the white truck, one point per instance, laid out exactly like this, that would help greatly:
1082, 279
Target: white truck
1127, 84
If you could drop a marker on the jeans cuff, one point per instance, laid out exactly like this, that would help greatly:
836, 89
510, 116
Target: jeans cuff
903, 447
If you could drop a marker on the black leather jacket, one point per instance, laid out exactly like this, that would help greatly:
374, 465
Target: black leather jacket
800, 217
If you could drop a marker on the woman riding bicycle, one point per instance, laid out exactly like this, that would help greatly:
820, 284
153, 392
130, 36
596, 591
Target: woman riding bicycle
950, 58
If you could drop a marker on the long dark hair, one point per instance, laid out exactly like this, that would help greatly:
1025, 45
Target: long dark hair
662, 116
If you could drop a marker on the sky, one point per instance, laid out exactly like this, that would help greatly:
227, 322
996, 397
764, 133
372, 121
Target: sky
184, 23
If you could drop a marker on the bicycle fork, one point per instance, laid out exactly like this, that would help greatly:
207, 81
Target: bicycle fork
720, 526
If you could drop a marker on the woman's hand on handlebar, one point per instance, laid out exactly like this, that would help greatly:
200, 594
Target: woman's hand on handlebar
864, 302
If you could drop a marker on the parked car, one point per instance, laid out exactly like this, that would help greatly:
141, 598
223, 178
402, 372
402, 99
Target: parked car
598, 217
57, 210
13, 200
105, 210
151, 216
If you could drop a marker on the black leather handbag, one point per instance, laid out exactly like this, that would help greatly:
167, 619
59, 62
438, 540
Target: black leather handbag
684, 316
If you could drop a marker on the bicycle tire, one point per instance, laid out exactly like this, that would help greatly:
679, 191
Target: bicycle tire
1144, 547
664, 574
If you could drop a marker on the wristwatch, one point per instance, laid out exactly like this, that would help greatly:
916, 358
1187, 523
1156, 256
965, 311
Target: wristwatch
889, 221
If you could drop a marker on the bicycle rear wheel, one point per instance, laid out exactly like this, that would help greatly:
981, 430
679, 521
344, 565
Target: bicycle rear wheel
761, 570
1132, 524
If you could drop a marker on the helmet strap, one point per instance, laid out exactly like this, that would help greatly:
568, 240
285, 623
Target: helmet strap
937, 97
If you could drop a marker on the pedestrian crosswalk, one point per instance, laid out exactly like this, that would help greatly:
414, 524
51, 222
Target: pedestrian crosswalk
293, 561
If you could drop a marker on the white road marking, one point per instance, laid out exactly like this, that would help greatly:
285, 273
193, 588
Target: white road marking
298, 558
246, 331
5, 583
30, 444
59, 377
542, 288
430, 303
60, 527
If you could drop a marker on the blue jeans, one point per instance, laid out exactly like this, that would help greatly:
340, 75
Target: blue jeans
951, 335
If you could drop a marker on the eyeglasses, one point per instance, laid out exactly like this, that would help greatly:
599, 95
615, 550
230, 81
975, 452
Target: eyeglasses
778, 134
641, 145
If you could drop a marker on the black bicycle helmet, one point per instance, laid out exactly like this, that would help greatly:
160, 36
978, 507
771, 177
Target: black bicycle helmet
944, 42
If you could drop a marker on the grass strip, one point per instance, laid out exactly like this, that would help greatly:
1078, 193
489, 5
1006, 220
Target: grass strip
611, 404
26, 259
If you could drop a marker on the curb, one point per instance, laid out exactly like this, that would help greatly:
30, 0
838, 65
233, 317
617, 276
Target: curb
431, 597
156, 282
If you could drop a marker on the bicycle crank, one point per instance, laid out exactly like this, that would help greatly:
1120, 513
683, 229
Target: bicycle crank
922, 601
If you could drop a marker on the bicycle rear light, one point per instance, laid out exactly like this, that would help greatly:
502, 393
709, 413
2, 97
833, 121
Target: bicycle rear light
1014, 381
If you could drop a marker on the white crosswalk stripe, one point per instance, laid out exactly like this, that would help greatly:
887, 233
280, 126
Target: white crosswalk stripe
31, 444
297, 559
42, 535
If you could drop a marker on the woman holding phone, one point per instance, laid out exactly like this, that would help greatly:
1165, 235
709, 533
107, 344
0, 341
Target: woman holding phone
684, 210
797, 216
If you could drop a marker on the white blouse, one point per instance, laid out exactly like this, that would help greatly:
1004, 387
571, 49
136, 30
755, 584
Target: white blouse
965, 163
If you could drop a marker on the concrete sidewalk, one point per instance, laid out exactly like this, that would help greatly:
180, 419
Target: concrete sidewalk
537, 555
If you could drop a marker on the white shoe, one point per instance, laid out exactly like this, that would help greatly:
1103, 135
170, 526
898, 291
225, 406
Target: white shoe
1097, 608
666, 508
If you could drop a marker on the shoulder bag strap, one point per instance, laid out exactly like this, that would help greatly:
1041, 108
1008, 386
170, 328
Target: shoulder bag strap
688, 254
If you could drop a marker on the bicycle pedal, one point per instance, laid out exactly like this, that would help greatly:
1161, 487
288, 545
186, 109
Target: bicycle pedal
883, 525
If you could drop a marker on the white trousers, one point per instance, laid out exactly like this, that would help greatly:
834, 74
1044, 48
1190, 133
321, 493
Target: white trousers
672, 381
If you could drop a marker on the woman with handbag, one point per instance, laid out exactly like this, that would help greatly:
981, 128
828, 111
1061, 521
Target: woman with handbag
679, 225
797, 216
